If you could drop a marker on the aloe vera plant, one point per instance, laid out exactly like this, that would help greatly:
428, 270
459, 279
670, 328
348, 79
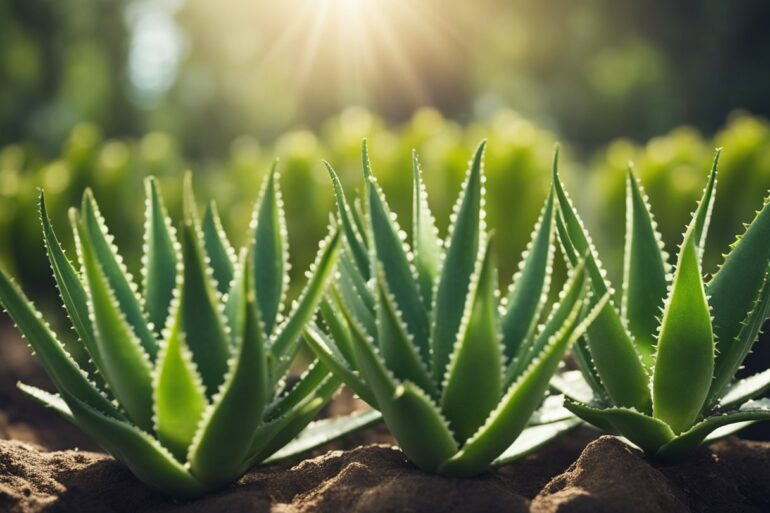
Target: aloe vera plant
191, 369
420, 333
660, 369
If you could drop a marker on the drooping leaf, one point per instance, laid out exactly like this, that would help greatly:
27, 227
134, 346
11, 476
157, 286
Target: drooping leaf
473, 381
160, 259
425, 240
644, 270
459, 262
684, 364
218, 248
530, 286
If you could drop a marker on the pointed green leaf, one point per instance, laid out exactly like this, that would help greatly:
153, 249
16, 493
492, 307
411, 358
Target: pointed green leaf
728, 363
179, 397
311, 379
702, 216
530, 286
644, 270
144, 456
286, 342
228, 425
352, 236
58, 364
647, 433
48, 400
473, 382
118, 279
127, 367
745, 389
218, 248
270, 252
71, 288
160, 259
338, 330
425, 240
534, 438
684, 363
397, 347
349, 292
683, 445
465, 235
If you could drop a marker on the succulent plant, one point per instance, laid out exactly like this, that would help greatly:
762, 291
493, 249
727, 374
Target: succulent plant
187, 384
421, 335
660, 369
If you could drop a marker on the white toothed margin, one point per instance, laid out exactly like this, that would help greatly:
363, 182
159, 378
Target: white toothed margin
232, 255
400, 390
420, 206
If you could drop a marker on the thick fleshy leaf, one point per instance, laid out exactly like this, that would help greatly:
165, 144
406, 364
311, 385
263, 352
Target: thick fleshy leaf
397, 346
328, 353
338, 330
534, 438
684, 363
702, 216
71, 288
682, 446
270, 252
311, 379
573, 385
159, 263
473, 382
227, 427
425, 240
411, 416
144, 456
58, 364
321, 432
218, 248
728, 363
735, 286
202, 316
530, 286
127, 367
745, 389
49, 400
644, 271
388, 249
118, 279
355, 239
647, 433
521, 399
286, 342
179, 397
465, 235
349, 293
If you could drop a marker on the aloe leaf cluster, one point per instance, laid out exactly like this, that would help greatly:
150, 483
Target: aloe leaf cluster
419, 331
661, 367
187, 374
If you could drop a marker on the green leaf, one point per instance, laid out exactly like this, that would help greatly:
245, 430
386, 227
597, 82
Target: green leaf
683, 445
127, 367
425, 240
349, 293
521, 399
286, 342
530, 285
534, 438
647, 433
218, 248
311, 379
735, 286
702, 216
397, 346
745, 389
142, 454
227, 427
324, 431
71, 288
270, 252
684, 364
644, 271
179, 397
465, 234
48, 400
160, 259
473, 380
728, 363
118, 279
338, 330
389, 250
58, 364
354, 239
202, 318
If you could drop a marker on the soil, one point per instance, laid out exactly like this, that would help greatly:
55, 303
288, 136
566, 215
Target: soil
581, 472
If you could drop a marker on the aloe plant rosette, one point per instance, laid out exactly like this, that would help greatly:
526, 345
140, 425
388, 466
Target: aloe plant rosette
660, 369
420, 333
186, 378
